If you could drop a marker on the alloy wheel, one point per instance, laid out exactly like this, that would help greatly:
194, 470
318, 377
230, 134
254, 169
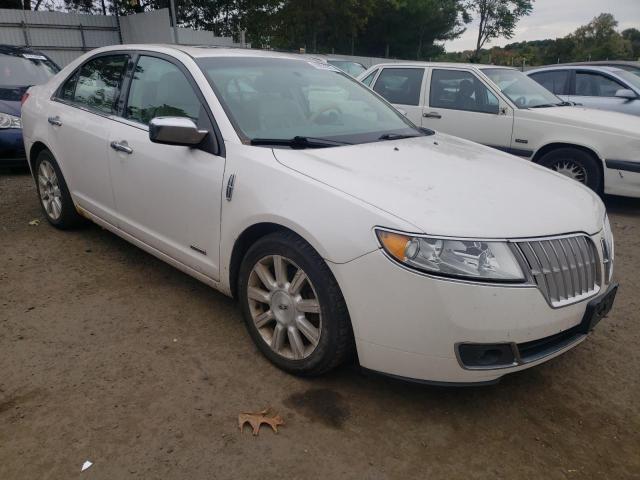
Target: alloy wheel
49, 188
571, 169
284, 307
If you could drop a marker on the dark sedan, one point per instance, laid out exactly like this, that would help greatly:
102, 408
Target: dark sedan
20, 68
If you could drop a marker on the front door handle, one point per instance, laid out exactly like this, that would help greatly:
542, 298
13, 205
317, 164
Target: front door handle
431, 115
55, 121
122, 146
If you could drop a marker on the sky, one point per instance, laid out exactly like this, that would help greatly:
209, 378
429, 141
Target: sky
554, 19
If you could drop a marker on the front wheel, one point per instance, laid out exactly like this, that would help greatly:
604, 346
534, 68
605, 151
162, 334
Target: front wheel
575, 164
293, 307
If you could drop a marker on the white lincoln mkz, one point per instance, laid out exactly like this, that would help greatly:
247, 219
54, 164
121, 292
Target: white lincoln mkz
337, 224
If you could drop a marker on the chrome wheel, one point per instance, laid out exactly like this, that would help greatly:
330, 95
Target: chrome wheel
284, 307
571, 169
49, 189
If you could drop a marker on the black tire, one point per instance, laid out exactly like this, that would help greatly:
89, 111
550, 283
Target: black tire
68, 217
583, 162
335, 344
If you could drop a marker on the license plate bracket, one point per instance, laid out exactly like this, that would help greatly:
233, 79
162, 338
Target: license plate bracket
599, 308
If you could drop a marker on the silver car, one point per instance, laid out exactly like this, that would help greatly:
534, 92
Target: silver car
601, 87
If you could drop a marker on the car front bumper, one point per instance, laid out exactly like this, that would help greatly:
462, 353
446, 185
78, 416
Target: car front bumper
411, 325
12, 152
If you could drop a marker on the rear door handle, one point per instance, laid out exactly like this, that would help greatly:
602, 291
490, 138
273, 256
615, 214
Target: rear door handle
55, 121
431, 115
122, 146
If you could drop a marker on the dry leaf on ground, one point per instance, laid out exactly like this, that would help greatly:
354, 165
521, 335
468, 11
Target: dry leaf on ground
255, 419
35, 222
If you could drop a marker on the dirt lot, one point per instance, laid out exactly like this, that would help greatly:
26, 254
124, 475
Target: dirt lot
109, 355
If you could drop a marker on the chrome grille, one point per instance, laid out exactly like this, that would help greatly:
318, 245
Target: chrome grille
566, 269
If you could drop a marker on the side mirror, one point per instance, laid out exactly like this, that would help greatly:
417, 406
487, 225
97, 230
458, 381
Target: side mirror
626, 93
175, 131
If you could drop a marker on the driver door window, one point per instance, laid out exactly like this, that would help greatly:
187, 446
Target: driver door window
160, 89
461, 104
590, 84
461, 90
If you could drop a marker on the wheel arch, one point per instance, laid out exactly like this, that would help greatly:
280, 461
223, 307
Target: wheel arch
34, 151
542, 151
245, 240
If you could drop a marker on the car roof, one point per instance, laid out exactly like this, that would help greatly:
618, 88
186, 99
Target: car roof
476, 66
594, 68
204, 51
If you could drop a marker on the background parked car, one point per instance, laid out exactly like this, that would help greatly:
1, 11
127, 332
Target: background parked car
600, 87
630, 66
20, 68
503, 108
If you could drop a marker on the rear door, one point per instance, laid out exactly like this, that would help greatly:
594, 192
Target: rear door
597, 90
79, 125
168, 196
403, 87
461, 104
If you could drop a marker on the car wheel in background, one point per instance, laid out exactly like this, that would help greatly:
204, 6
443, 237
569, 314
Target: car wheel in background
575, 164
55, 198
293, 307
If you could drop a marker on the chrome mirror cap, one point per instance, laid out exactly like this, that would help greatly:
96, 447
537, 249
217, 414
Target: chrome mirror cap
175, 131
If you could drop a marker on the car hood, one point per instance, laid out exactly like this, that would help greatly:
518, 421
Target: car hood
601, 120
447, 186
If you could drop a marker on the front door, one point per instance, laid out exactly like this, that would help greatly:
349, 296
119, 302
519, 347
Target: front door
596, 90
167, 196
460, 104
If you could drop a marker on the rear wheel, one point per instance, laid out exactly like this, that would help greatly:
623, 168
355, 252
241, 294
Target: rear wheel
575, 164
55, 198
293, 307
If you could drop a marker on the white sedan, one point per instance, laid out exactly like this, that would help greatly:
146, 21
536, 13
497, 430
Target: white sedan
503, 108
336, 223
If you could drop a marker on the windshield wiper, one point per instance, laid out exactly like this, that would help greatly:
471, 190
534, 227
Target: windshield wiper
299, 142
397, 136
545, 105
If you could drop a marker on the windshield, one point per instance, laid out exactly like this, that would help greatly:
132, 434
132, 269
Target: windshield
352, 68
21, 70
273, 98
521, 90
630, 77
630, 68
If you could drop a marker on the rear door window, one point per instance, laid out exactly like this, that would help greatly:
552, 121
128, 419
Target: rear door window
400, 85
555, 81
97, 84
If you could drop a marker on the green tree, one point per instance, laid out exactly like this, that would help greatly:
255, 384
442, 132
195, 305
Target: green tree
599, 40
497, 18
632, 35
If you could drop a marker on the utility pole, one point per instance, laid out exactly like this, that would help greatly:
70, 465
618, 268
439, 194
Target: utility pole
174, 23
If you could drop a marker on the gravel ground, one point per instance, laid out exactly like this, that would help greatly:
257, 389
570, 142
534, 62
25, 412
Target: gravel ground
109, 355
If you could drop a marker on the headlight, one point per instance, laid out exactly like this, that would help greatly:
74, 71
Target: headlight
467, 259
608, 249
9, 121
